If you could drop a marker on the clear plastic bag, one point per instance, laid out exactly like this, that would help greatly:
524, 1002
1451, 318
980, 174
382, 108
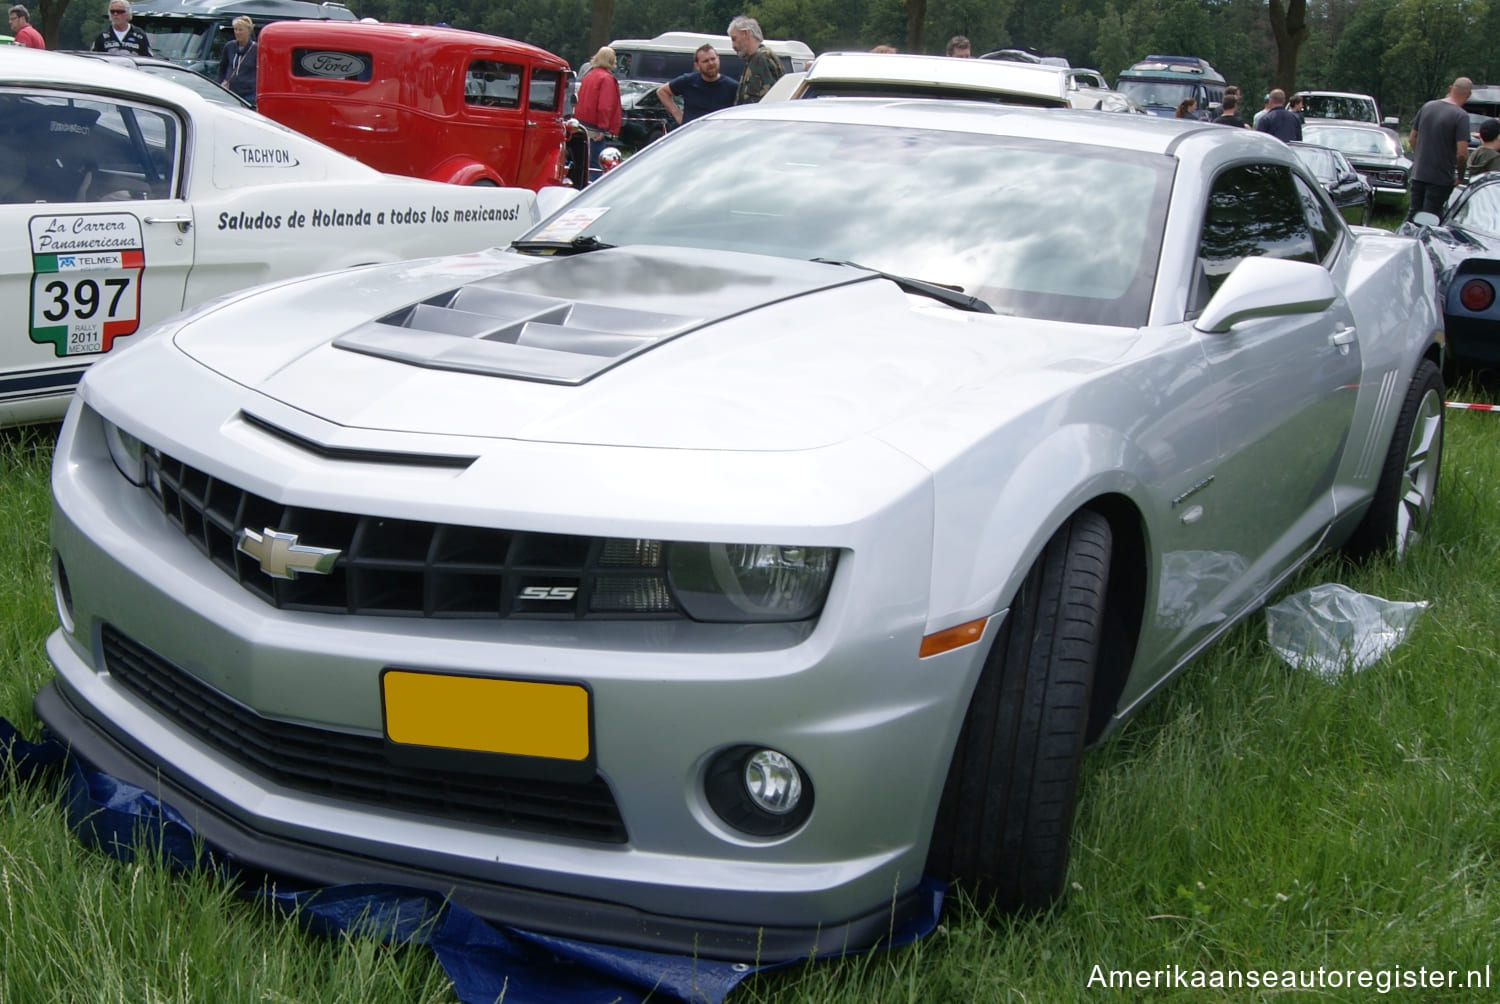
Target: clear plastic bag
1332, 630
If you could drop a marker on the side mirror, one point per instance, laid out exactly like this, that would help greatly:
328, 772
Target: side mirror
1267, 287
1390, 121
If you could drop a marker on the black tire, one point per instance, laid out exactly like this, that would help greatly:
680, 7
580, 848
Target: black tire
1407, 488
1006, 815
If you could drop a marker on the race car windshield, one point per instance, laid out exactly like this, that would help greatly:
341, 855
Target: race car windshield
1037, 229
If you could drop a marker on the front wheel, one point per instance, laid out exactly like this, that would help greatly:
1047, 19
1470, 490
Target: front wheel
1407, 488
1006, 815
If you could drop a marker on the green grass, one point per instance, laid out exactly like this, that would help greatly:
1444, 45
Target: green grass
1252, 817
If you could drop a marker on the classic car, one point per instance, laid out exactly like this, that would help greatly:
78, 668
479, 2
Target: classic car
1374, 151
1465, 250
193, 32
125, 198
696, 573
1351, 194
429, 102
1343, 106
175, 72
1160, 83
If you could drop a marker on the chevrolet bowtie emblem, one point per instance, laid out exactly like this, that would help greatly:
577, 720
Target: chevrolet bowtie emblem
281, 557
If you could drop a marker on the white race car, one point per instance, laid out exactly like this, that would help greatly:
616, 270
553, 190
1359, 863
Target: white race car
125, 198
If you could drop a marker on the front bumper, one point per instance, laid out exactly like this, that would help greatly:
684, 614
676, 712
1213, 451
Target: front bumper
871, 725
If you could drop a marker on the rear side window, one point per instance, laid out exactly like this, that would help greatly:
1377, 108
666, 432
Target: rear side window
56, 148
493, 85
545, 92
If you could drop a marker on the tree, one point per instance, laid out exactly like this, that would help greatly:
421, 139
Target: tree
49, 15
1289, 26
1433, 41
601, 17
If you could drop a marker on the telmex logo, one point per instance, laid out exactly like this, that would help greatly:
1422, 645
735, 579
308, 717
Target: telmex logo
337, 65
265, 156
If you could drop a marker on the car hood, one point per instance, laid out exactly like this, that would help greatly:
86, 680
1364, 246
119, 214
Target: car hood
638, 346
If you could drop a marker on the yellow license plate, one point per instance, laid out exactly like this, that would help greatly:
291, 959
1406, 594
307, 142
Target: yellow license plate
513, 717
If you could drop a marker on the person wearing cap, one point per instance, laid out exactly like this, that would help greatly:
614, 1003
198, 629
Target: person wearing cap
1486, 156
1440, 149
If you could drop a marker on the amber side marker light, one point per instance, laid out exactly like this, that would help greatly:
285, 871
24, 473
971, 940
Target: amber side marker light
951, 638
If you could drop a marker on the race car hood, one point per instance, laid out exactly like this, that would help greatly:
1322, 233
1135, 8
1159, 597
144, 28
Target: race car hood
639, 346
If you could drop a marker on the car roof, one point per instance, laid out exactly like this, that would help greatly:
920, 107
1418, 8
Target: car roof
1334, 94
262, 8
689, 41
1002, 76
1344, 124
33, 67
1076, 127
405, 37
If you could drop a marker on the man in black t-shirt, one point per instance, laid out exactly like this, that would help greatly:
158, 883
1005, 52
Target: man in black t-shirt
121, 35
1440, 149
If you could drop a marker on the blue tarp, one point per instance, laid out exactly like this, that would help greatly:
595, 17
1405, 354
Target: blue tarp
484, 961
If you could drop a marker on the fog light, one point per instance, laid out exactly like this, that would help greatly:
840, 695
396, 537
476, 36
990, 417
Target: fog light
758, 791
1476, 295
773, 781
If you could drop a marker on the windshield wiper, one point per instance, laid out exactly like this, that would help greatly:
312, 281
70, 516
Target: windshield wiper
953, 296
581, 244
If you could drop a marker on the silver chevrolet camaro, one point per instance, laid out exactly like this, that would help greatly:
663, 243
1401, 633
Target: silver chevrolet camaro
772, 526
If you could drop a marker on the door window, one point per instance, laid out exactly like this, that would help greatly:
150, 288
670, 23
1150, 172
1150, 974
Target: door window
1252, 210
57, 148
493, 85
546, 90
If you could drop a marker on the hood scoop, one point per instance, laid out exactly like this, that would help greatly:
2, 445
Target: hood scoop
566, 320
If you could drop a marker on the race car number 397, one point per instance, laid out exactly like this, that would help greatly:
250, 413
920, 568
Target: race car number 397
86, 281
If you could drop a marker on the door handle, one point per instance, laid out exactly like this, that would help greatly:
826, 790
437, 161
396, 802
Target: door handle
184, 223
1342, 337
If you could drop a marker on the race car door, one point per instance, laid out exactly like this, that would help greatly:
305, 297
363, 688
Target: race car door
1284, 387
100, 241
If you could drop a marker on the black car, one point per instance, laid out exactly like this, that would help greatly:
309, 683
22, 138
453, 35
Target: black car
168, 70
1374, 150
1352, 195
1465, 250
642, 115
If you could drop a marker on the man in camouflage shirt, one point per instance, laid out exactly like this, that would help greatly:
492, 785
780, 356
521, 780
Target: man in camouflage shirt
762, 68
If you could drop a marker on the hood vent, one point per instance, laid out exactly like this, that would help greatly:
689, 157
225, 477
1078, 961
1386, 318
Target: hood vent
540, 323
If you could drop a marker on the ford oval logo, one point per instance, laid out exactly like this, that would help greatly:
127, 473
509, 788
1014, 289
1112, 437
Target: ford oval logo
335, 65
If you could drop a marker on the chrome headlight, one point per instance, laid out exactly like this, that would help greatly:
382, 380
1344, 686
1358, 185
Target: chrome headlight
750, 582
128, 453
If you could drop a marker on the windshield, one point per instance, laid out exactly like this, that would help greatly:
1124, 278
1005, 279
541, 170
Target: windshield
1480, 211
1158, 93
1353, 142
1058, 231
175, 38
1339, 106
1320, 162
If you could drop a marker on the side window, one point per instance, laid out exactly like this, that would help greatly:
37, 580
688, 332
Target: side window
546, 86
493, 85
1326, 224
65, 149
1252, 210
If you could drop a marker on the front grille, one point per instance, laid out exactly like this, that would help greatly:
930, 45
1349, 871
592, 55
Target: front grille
340, 765
407, 568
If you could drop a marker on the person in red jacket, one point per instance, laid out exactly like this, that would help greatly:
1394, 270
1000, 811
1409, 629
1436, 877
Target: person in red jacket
598, 107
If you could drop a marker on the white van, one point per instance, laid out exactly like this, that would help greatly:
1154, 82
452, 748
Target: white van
670, 54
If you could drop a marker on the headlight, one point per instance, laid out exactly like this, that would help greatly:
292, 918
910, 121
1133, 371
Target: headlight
126, 451
750, 582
